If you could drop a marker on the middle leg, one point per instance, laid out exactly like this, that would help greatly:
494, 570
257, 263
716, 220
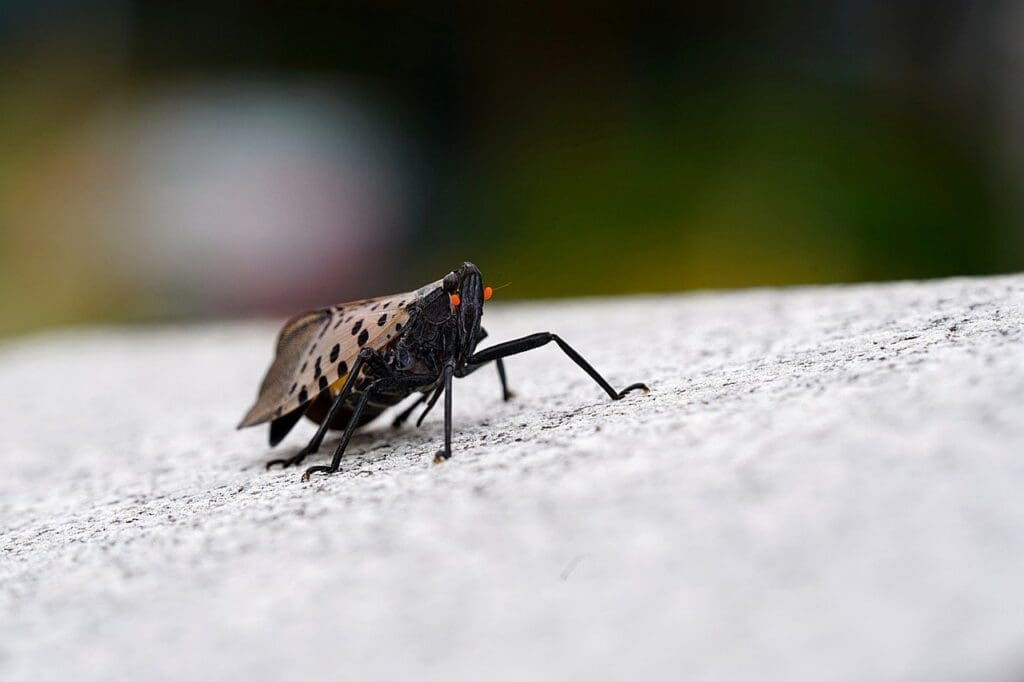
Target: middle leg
406, 413
506, 394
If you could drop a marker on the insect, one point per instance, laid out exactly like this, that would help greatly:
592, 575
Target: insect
342, 366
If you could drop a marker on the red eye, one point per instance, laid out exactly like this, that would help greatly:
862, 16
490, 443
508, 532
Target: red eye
488, 292
456, 300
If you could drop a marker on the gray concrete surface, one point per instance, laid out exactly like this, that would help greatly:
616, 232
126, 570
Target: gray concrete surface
825, 483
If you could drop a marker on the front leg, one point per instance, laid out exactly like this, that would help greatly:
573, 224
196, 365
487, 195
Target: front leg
532, 341
446, 453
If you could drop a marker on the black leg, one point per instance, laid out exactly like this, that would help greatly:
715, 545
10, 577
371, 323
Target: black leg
318, 438
468, 369
430, 405
340, 449
532, 341
449, 371
402, 418
506, 394
386, 383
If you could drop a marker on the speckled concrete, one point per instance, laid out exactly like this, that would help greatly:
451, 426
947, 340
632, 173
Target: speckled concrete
825, 483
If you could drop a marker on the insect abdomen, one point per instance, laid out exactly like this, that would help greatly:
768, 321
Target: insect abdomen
321, 405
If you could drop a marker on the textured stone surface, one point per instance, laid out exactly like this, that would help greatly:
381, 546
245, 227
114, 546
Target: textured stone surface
823, 484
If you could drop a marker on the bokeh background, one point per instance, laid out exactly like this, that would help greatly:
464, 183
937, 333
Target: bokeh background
189, 160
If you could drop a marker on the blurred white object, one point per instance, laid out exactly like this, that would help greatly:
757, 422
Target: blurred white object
262, 196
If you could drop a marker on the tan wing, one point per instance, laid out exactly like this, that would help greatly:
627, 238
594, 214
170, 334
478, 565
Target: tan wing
316, 349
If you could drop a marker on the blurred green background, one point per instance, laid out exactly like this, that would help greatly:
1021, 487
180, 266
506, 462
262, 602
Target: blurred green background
169, 161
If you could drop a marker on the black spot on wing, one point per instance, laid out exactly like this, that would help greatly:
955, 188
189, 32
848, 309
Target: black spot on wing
302, 369
316, 368
398, 327
363, 337
382, 320
356, 327
323, 383
292, 389
342, 369
303, 396
335, 352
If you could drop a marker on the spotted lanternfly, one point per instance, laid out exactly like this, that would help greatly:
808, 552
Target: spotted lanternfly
342, 366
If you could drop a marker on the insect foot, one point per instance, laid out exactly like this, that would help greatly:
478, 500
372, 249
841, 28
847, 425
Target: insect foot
294, 460
317, 469
440, 456
633, 387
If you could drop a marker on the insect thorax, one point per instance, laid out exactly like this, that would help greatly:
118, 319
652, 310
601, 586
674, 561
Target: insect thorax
428, 341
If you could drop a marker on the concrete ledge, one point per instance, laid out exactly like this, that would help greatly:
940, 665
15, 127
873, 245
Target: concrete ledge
824, 483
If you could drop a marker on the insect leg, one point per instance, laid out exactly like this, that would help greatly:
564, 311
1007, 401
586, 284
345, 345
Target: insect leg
506, 394
402, 418
468, 369
314, 445
532, 341
340, 449
353, 422
449, 371
430, 405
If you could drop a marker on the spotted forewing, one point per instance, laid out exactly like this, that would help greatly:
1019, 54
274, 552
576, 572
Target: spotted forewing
315, 350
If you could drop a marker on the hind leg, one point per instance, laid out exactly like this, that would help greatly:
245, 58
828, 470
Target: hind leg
314, 445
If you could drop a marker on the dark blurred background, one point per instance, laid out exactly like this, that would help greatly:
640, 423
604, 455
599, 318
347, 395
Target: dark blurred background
193, 160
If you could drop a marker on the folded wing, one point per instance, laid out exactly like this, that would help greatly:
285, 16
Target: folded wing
315, 350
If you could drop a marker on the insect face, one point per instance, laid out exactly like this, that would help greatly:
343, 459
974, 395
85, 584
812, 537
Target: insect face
469, 310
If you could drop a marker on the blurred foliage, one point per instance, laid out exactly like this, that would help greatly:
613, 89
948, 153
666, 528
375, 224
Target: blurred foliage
568, 150
753, 187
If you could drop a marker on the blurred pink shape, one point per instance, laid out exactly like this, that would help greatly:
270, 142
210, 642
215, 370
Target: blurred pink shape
263, 197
